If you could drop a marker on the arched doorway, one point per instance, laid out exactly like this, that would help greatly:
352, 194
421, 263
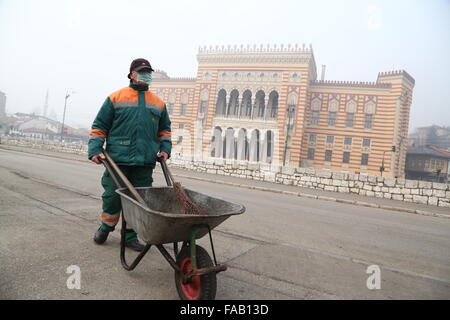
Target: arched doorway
229, 144
216, 143
255, 146
242, 145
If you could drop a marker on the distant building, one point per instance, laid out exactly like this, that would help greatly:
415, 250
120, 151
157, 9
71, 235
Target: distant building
428, 163
432, 135
2, 104
266, 104
39, 127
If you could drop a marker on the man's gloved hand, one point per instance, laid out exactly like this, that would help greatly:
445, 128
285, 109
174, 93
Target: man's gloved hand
163, 155
97, 157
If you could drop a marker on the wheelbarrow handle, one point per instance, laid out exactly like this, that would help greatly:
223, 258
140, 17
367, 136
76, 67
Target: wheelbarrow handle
111, 172
167, 174
110, 163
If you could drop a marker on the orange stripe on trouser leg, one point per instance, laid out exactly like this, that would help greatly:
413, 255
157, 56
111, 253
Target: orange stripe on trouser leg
165, 133
110, 219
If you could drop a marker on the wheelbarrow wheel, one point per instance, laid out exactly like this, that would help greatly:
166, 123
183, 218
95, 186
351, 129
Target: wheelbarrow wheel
198, 287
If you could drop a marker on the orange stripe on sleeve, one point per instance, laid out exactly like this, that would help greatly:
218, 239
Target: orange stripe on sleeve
97, 131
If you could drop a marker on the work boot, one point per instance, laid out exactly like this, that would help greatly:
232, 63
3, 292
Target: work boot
100, 236
135, 245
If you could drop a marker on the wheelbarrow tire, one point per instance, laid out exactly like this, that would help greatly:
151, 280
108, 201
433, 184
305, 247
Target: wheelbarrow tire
200, 287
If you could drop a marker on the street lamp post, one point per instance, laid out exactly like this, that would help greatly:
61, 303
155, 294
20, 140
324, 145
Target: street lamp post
382, 164
290, 111
393, 149
64, 114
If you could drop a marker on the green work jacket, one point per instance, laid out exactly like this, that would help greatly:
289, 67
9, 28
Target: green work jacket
135, 125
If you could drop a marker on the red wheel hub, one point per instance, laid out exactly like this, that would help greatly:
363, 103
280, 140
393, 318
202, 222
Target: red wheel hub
191, 289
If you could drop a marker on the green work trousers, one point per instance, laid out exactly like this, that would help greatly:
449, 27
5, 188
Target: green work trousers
139, 176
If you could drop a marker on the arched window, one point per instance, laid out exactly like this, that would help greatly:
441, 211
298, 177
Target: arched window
184, 102
204, 97
221, 102
260, 104
273, 105
246, 104
233, 106
171, 100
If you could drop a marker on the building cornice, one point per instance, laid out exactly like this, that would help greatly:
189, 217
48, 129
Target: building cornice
255, 55
350, 84
396, 74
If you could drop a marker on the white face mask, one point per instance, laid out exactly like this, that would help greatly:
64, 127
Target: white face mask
145, 77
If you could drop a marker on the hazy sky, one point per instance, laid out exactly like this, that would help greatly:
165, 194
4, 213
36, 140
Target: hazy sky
87, 46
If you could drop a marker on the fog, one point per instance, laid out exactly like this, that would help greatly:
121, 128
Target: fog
87, 46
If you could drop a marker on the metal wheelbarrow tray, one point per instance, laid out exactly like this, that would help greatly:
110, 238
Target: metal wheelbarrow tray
164, 220
159, 218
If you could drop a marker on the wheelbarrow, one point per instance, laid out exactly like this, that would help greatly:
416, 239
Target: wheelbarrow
162, 221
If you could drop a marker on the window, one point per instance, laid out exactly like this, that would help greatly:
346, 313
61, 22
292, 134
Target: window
181, 126
368, 121
179, 139
348, 140
328, 155
291, 117
420, 163
203, 106
171, 106
366, 142
332, 119
315, 118
312, 137
330, 139
311, 153
183, 109
364, 159
349, 120
427, 164
269, 143
433, 164
346, 157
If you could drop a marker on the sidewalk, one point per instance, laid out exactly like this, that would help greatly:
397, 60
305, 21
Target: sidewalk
348, 198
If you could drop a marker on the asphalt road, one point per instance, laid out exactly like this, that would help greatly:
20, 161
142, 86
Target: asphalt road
283, 247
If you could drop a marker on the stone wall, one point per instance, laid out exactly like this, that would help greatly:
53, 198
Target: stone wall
423, 192
65, 147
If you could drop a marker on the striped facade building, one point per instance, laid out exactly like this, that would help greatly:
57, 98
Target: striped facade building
265, 104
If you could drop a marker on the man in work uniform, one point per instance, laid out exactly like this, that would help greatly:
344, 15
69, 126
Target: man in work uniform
135, 124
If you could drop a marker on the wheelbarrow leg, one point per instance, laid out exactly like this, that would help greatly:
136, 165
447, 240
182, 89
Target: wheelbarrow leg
122, 249
175, 248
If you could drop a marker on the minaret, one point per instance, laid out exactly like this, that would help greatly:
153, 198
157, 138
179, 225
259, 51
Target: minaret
45, 105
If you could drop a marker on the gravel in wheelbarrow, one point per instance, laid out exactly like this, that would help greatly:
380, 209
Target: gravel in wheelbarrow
163, 219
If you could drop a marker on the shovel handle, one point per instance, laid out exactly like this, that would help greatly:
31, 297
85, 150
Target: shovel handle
128, 184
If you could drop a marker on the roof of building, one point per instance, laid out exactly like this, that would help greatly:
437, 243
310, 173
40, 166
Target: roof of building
441, 150
429, 151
